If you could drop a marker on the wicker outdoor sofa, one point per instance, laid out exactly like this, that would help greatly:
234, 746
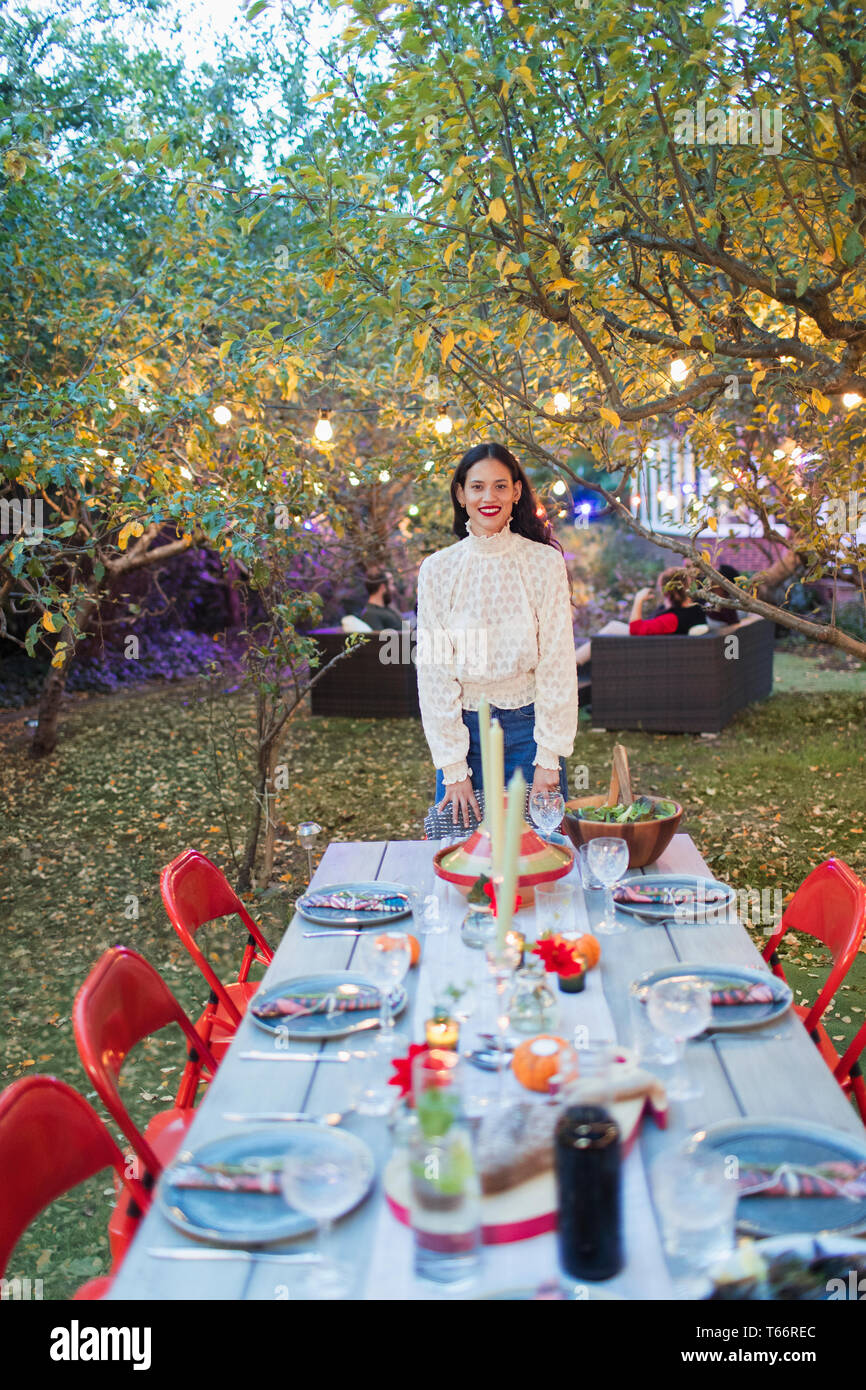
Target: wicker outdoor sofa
369, 683
681, 685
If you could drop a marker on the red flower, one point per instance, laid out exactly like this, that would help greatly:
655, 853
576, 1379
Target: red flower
490, 892
403, 1068
559, 956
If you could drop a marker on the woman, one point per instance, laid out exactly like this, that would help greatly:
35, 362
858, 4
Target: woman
679, 613
494, 620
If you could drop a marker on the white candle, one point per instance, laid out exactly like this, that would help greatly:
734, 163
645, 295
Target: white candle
496, 797
510, 855
484, 738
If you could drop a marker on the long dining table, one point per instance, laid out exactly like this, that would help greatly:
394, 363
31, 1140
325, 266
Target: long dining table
774, 1072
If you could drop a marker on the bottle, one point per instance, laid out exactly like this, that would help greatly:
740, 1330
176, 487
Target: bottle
588, 1160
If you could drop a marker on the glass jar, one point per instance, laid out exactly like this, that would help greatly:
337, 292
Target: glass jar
533, 1006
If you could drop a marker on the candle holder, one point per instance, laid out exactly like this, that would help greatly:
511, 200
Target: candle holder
478, 927
442, 1031
516, 942
308, 834
572, 984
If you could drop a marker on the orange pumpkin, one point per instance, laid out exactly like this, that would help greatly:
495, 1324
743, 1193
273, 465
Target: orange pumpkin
537, 1060
414, 946
589, 948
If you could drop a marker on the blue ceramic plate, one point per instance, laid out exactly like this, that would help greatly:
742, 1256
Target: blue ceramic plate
774, 1142
345, 917
320, 1027
245, 1219
731, 1018
692, 899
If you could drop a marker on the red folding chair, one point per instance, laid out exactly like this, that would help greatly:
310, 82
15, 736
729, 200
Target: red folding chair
849, 1073
195, 892
50, 1141
122, 1001
830, 905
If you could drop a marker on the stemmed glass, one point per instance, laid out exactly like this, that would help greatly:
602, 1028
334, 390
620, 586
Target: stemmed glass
608, 859
323, 1181
547, 810
502, 962
385, 957
681, 1007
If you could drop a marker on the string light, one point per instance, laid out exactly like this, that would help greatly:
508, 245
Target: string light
222, 415
559, 487
185, 473
384, 476
414, 509
443, 424
561, 402
850, 399
324, 430
428, 465
354, 480
727, 487
679, 370
112, 405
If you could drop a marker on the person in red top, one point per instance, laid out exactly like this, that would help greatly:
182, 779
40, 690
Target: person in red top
679, 613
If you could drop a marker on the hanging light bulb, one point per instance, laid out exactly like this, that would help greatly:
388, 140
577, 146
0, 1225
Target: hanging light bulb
635, 501
354, 480
222, 415
324, 430
850, 399
559, 487
384, 476
561, 402
414, 509
679, 369
112, 405
443, 424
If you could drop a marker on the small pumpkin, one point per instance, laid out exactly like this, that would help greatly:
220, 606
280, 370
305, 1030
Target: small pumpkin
589, 948
537, 1060
386, 944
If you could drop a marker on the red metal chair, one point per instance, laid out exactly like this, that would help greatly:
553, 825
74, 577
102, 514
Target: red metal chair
195, 893
50, 1141
849, 1073
830, 905
122, 1001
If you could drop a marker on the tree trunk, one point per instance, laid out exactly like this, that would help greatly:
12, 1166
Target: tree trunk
248, 863
784, 568
45, 737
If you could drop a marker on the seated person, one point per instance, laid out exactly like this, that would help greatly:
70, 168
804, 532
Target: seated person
378, 613
678, 614
723, 617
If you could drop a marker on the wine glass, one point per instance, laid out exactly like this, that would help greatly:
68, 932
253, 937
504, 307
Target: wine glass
547, 810
323, 1180
608, 859
385, 957
681, 1007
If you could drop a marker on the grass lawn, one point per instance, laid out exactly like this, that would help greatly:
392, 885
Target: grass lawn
136, 779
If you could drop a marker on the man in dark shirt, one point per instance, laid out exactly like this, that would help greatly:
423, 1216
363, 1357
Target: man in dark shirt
378, 613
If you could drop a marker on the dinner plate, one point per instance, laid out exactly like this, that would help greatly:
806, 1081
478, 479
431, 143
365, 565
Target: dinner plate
320, 1027
774, 1142
841, 1280
692, 898
246, 1219
346, 917
728, 1018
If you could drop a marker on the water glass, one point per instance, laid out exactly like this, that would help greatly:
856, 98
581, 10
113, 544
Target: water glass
608, 858
369, 1073
652, 1049
554, 908
696, 1201
445, 1194
323, 1181
587, 877
547, 810
385, 957
681, 1008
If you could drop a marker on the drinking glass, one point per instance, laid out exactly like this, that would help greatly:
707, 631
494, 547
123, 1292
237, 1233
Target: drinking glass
547, 810
385, 957
696, 1201
681, 1008
554, 908
445, 1198
502, 962
324, 1181
369, 1073
608, 859
587, 877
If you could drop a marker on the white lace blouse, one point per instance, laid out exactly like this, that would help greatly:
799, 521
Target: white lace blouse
494, 619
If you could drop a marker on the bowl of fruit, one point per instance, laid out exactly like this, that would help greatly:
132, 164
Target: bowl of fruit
646, 823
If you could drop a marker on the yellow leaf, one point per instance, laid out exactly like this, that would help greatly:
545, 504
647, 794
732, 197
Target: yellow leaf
449, 251
757, 378
497, 210
609, 415
328, 279
835, 63
712, 523
562, 284
526, 75
447, 346
820, 401
421, 337
50, 623
705, 556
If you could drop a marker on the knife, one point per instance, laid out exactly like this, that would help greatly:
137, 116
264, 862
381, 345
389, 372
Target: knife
187, 1253
295, 1056
335, 931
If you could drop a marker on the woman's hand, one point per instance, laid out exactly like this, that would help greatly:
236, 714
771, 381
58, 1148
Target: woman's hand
544, 780
640, 599
461, 797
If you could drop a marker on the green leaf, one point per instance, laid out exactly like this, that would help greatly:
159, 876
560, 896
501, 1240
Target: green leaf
852, 247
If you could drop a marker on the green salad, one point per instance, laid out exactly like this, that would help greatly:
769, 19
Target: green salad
641, 810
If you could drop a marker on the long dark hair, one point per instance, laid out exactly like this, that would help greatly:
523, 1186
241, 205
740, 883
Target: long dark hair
524, 517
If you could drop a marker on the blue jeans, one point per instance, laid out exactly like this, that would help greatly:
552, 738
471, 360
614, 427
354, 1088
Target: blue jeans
517, 726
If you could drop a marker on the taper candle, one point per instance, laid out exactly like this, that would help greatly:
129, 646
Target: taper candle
484, 739
510, 855
496, 799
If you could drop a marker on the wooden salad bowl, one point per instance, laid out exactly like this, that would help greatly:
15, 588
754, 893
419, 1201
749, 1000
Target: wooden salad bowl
646, 840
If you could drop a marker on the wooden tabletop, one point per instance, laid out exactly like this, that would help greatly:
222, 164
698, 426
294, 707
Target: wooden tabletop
761, 1077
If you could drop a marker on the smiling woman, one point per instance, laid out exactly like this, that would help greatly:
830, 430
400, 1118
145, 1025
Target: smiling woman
500, 594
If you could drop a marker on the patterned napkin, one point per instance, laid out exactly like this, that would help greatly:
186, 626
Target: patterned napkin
794, 1180
658, 895
351, 902
735, 993
256, 1175
302, 1005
